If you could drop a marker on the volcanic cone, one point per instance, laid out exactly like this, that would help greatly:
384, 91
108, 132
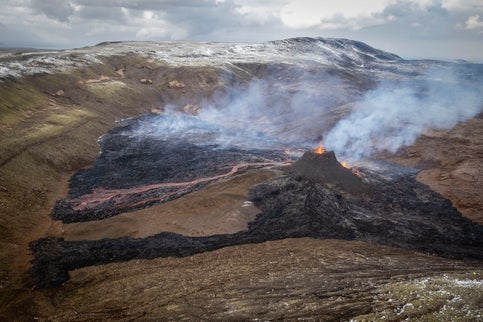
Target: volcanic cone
324, 168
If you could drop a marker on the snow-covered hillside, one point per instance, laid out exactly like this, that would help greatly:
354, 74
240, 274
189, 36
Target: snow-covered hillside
338, 53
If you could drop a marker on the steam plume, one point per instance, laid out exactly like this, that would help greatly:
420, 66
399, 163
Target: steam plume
292, 116
264, 114
395, 114
269, 114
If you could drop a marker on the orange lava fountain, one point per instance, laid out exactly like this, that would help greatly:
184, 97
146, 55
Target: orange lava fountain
319, 150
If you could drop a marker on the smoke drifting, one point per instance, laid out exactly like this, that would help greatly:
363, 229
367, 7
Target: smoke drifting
292, 112
269, 114
264, 111
396, 114
174, 125
263, 114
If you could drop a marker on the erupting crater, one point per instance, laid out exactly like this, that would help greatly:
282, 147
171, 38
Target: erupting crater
321, 165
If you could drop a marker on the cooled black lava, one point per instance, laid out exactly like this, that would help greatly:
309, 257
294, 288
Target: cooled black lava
386, 206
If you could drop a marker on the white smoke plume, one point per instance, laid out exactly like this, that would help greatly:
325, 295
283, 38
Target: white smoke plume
291, 115
263, 114
269, 114
396, 114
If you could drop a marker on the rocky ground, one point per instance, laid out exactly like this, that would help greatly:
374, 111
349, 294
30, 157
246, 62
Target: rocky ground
288, 279
50, 126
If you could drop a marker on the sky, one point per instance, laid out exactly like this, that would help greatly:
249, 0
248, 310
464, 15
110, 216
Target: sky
434, 29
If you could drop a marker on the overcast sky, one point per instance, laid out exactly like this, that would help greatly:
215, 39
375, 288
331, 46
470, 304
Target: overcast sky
442, 29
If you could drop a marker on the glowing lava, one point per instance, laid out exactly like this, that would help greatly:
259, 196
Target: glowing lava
319, 150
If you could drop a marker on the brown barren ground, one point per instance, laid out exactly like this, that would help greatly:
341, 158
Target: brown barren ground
312, 280
452, 163
220, 208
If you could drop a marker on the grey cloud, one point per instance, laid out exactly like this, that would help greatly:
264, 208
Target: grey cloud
197, 18
404, 27
103, 14
408, 13
21, 37
147, 4
415, 23
55, 9
201, 21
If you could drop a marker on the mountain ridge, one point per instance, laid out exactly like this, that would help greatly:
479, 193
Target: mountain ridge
302, 51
